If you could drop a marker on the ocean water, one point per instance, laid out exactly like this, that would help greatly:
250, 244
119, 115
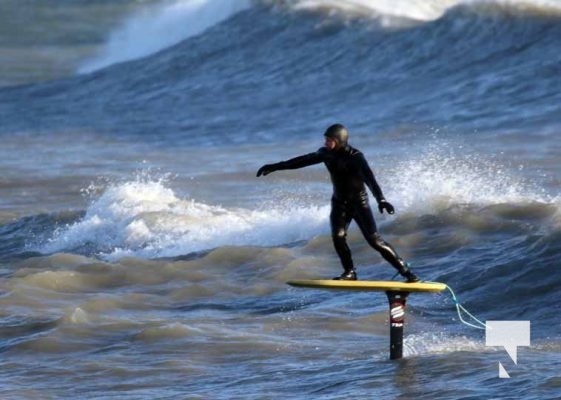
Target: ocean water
140, 257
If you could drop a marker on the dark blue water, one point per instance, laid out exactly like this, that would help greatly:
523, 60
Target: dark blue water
140, 257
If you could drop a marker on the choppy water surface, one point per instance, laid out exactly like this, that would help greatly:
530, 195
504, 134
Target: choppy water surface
140, 257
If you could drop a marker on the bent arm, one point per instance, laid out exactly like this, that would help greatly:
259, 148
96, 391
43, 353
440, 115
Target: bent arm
370, 180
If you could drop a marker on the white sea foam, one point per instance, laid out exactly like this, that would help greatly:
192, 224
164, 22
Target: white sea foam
146, 219
390, 11
423, 10
439, 178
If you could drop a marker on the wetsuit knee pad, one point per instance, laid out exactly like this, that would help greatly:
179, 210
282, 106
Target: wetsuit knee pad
339, 234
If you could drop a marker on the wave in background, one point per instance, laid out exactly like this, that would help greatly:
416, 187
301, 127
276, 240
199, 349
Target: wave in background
157, 27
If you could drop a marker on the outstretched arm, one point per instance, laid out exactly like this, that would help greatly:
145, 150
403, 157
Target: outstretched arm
293, 163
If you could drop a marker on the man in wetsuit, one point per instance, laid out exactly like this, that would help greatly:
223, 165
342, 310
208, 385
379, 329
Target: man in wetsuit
349, 174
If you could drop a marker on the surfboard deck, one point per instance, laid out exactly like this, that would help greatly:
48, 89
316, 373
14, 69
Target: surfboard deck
376, 286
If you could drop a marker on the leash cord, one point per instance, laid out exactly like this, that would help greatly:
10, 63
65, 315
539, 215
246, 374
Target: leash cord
459, 308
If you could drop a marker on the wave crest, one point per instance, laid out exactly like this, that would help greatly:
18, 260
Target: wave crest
144, 218
156, 28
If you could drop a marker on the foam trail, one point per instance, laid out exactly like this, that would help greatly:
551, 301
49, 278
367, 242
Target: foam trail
152, 29
439, 343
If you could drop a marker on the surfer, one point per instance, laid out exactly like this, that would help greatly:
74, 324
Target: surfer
349, 174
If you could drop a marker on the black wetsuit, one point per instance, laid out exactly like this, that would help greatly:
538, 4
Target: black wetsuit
350, 174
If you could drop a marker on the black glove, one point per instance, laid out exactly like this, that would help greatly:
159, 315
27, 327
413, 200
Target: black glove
383, 204
266, 169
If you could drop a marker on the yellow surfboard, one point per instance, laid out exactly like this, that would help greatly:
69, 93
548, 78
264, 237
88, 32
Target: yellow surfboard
376, 286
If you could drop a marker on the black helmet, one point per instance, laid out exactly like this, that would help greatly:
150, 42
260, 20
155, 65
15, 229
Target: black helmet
339, 133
